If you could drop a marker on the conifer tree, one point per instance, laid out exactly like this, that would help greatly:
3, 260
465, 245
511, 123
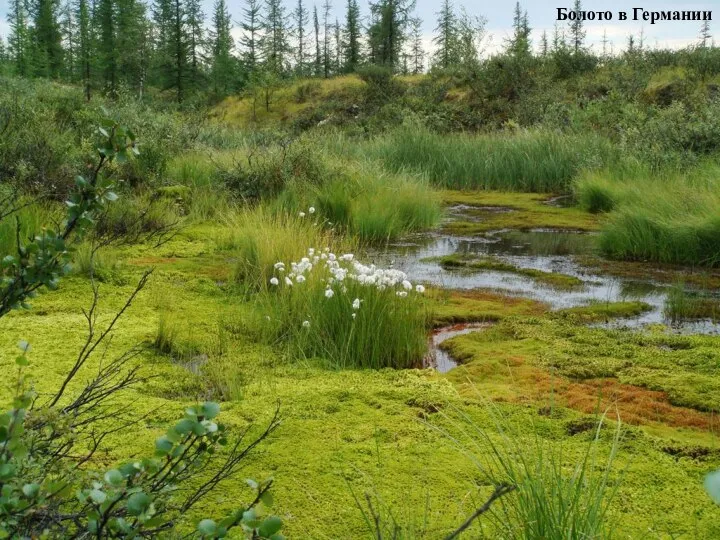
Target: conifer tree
577, 29
132, 36
327, 7
417, 52
300, 18
68, 25
318, 54
338, 46
388, 31
195, 19
107, 49
705, 35
446, 38
275, 44
84, 51
47, 39
519, 44
171, 46
223, 65
252, 28
351, 37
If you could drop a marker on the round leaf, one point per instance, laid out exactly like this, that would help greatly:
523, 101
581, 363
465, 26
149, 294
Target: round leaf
270, 526
207, 527
137, 503
114, 477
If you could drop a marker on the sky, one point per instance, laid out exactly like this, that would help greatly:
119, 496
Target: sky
542, 15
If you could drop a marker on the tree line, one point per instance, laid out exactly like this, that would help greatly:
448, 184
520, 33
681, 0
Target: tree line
111, 45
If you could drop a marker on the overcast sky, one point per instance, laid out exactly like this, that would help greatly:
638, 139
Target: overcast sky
542, 15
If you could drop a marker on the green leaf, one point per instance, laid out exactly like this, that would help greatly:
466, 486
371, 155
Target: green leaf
163, 445
270, 526
209, 409
207, 527
114, 478
137, 503
712, 486
111, 196
98, 496
21, 360
185, 426
31, 490
267, 499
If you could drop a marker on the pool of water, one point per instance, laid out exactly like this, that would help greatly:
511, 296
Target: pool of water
542, 249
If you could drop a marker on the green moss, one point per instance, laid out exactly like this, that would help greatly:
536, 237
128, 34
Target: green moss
683, 367
524, 211
450, 307
554, 279
363, 429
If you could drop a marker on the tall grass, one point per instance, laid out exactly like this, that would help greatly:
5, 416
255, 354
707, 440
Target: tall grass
348, 322
562, 493
261, 237
32, 219
669, 217
682, 304
528, 161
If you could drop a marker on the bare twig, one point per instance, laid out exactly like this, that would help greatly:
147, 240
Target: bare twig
500, 491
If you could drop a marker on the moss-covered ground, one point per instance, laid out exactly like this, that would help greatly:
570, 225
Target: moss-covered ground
494, 210
364, 430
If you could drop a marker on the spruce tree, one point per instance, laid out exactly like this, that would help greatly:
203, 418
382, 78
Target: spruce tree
705, 35
47, 39
519, 44
275, 44
223, 64
171, 47
132, 36
446, 39
300, 18
107, 49
252, 27
84, 51
68, 26
388, 31
327, 7
417, 53
195, 20
338, 47
318, 55
469, 34
351, 37
18, 41
577, 30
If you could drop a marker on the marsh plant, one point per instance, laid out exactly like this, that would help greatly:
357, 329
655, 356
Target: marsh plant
354, 315
559, 493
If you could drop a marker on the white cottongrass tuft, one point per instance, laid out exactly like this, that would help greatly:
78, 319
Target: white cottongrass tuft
356, 304
306, 324
420, 289
311, 209
329, 293
274, 281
